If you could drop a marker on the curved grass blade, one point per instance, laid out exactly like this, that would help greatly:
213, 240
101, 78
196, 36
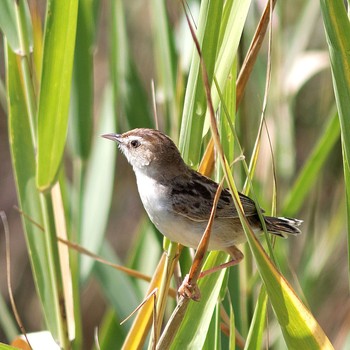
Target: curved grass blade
23, 161
337, 28
195, 104
55, 86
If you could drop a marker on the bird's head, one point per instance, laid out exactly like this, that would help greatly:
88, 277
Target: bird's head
149, 151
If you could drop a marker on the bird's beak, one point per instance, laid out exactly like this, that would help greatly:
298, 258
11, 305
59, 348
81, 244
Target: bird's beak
113, 137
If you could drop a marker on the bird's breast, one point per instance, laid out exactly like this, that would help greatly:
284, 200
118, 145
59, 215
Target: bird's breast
154, 197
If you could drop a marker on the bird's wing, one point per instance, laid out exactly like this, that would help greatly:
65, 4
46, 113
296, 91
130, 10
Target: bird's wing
193, 197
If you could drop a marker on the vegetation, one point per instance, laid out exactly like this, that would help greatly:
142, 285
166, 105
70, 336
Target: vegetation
75, 70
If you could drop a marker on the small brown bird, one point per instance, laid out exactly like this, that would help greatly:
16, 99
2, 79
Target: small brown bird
178, 200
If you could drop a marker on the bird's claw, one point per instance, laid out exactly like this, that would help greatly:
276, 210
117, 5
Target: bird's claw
189, 290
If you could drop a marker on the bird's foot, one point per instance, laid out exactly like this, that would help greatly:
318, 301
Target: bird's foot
189, 290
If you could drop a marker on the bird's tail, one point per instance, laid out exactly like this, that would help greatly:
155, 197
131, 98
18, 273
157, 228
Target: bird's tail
281, 226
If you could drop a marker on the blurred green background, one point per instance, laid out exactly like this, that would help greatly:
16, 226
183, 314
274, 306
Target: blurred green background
125, 49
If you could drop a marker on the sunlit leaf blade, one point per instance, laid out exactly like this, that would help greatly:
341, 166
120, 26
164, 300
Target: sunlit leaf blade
337, 28
195, 103
233, 20
55, 88
142, 321
300, 329
23, 161
98, 185
213, 338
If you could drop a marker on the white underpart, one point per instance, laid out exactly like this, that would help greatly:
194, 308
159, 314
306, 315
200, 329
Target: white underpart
155, 200
176, 227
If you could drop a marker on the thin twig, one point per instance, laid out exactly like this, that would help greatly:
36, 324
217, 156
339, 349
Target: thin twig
252, 54
204, 242
139, 306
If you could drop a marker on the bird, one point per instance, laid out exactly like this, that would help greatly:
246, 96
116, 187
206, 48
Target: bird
179, 200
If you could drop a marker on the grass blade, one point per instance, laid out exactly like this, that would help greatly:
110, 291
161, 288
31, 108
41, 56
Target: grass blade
195, 103
23, 161
257, 326
337, 28
9, 23
55, 88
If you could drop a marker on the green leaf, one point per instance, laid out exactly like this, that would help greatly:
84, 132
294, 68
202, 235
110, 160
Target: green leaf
195, 102
23, 161
55, 88
300, 329
337, 27
9, 23
233, 20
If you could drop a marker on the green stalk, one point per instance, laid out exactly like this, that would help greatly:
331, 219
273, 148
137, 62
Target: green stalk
25, 69
54, 268
337, 28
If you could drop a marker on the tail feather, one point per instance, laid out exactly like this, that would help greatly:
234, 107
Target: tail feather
281, 226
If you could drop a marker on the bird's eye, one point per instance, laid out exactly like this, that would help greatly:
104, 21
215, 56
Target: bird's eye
135, 143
